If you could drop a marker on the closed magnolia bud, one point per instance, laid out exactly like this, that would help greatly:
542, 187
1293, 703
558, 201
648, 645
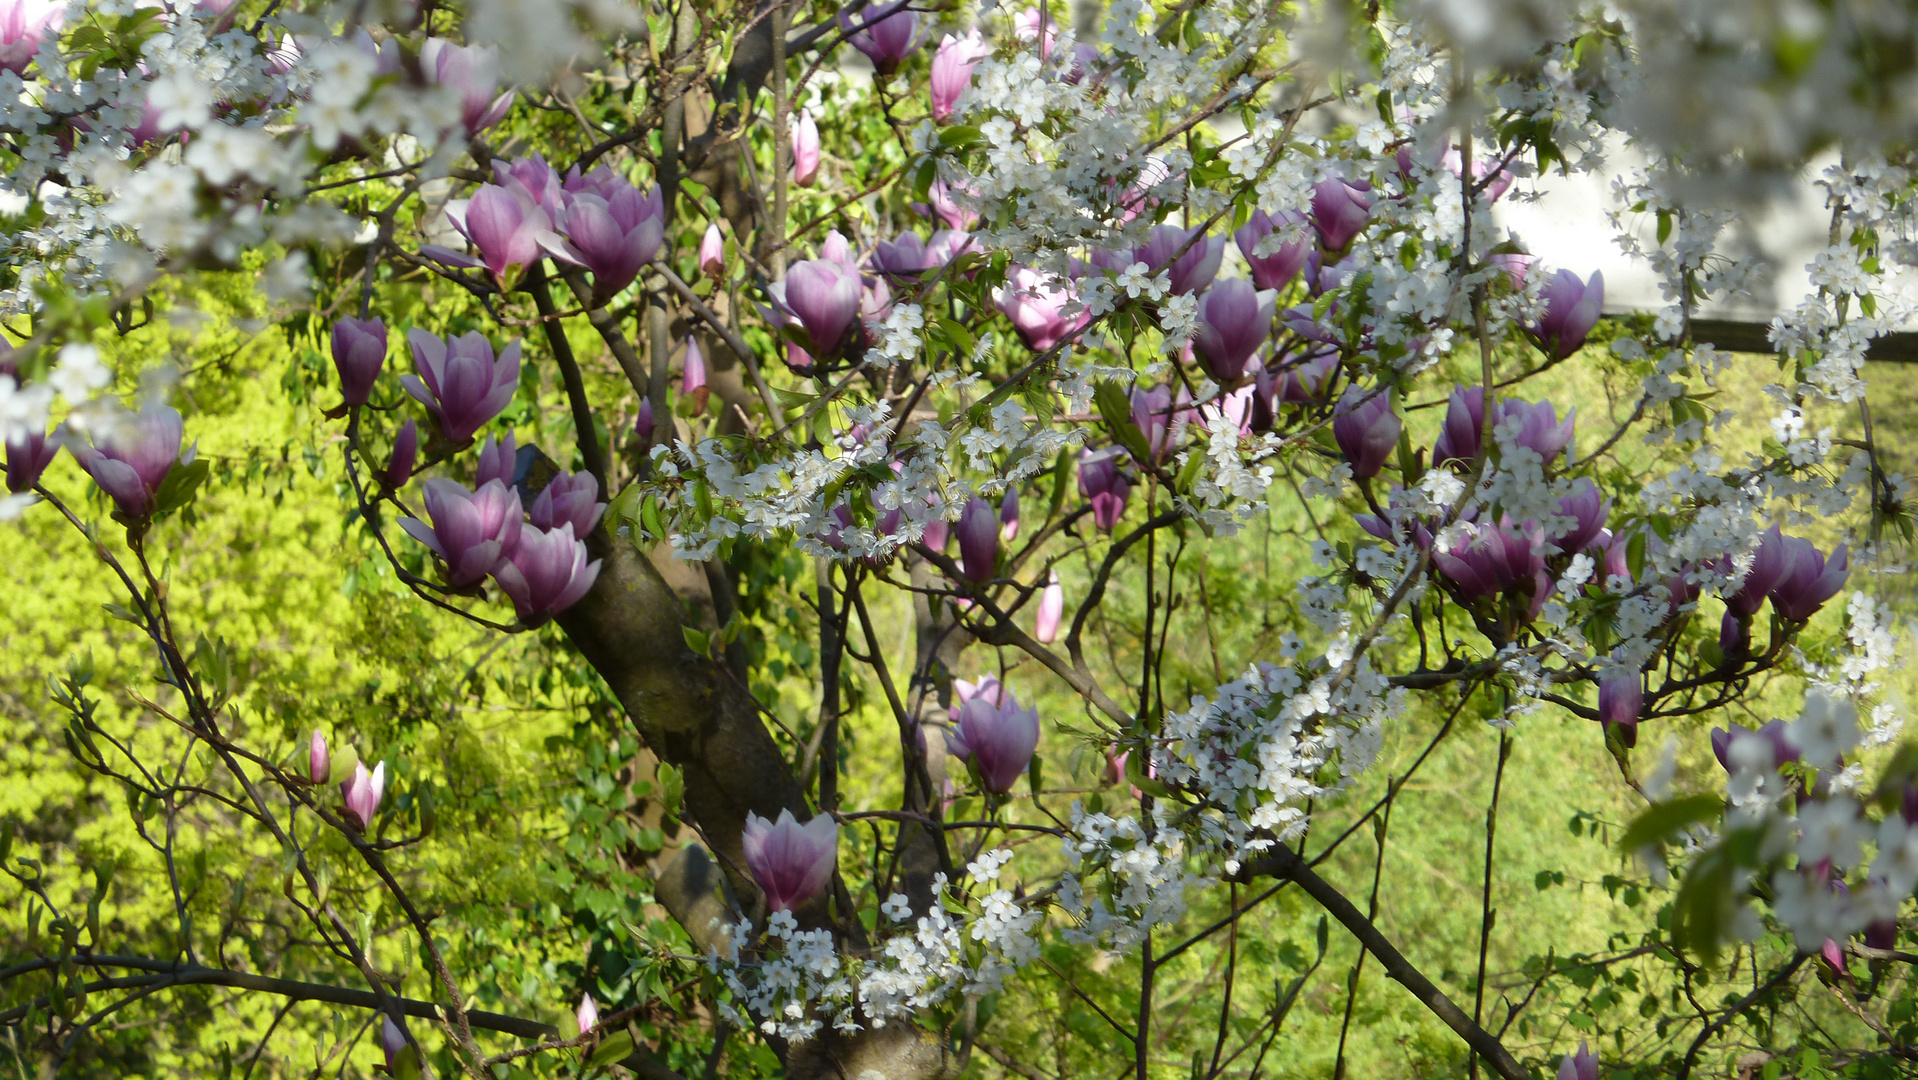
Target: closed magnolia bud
359, 351
712, 252
1052, 608
805, 140
588, 1014
319, 760
406, 450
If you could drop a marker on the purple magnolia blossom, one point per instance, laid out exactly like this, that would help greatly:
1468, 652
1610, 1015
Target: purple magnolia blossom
1488, 559
1306, 382
504, 223
392, 1043
1037, 305
363, 793
613, 236
472, 70
948, 209
1620, 695
1190, 272
1274, 271
546, 572
952, 71
570, 499
805, 146
1367, 430
1734, 634
945, 246
24, 24
1103, 483
712, 252
1340, 209
1034, 24
1585, 508
1811, 580
791, 862
472, 532
1774, 737
1234, 320
1000, 737
902, 259
319, 760
538, 178
888, 34
823, 296
134, 459
1052, 609
1571, 310
460, 382
1009, 516
643, 422
1494, 187
1771, 562
406, 450
1580, 1066
28, 455
1539, 428
692, 378
978, 531
1464, 424
359, 351
497, 461
1515, 264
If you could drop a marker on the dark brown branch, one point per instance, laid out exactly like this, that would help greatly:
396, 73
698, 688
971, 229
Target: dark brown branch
1283, 862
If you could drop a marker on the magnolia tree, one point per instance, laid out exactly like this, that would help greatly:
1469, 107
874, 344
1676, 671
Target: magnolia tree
961, 324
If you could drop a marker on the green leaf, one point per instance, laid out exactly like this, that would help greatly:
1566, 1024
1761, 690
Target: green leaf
696, 640
177, 489
1115, 408
613, 1048
1661, 820
672, 786
344, 759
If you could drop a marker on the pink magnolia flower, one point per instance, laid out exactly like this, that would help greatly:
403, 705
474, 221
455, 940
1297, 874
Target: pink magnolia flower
1571, 310
473, 71
1234, 320
363, 793
498, 460
570, 499
1367, 430
472, 532
28, 455
888, 33
406, 450
588, 1014
978, 532
1052, 609
712, 252
359, 351
504, 223
24, 24
1104, 485
823, 296
999, 736
790, 862
1190, 272
1274, 271
952, 71
805, 140
1811, 580
613, 233
546, 572
460, 382
1340, 209
134, 459
319, 760
1037, 305
1580, 1066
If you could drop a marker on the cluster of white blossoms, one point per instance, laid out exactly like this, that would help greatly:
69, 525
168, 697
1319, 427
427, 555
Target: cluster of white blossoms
965, 945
